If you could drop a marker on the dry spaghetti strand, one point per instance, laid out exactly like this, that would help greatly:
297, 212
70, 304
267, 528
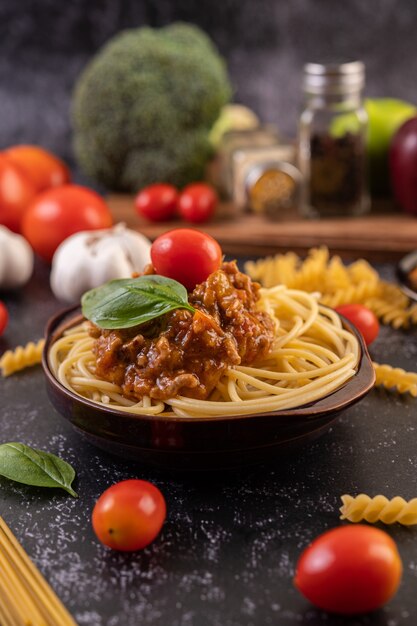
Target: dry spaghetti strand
26, 599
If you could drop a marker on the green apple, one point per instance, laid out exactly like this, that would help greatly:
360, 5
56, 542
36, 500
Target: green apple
233, 117
385, 115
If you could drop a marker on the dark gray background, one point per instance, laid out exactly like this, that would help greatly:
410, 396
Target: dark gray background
227, 553
45, 43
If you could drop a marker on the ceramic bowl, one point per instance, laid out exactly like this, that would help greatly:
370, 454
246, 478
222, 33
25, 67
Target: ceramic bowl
404, 267
200, 443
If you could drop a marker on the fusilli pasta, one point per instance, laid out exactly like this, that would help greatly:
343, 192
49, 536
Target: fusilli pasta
21, 357
396, 378
337, 283
379, 509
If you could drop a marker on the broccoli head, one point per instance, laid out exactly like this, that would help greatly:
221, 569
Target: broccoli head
144, 106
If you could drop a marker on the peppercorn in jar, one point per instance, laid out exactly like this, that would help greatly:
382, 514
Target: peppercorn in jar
332, 141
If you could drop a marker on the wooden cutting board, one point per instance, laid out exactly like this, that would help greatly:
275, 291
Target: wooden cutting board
381, 235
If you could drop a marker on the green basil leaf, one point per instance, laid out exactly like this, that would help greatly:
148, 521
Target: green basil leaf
127, 302
26, 465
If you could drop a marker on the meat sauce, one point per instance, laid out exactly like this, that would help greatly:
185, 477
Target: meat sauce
182, 353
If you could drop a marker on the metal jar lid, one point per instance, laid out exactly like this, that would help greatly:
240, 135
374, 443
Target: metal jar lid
277, 185
333, 78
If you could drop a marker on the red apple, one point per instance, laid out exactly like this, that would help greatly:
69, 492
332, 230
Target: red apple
403, 165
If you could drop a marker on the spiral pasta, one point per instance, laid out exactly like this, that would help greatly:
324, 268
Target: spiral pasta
388, 312
348, 295
413, 314
21, 357
396, 378
337, 283
379, 509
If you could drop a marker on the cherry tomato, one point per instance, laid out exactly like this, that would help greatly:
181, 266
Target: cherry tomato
4, 318
129, 515
186, 255
58, 213
42, 168
157, 202
351, 569
363, 318
197, 203
16, 192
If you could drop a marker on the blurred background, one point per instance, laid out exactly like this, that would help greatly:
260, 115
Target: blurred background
44, 44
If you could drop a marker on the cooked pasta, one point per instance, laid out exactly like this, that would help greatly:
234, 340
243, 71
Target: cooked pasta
379, 509
312, 356
21, 357
338, 284
396, 379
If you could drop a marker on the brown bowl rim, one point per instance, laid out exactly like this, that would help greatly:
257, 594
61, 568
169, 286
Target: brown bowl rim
362, 382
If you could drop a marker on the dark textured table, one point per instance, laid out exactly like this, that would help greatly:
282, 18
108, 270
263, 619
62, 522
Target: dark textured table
227, 552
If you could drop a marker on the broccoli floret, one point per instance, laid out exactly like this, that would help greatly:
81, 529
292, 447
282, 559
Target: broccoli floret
144, 106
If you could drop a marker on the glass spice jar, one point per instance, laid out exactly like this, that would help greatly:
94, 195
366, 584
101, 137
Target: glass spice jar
273, 188
222, 171
265, 179
332, 141
263, 137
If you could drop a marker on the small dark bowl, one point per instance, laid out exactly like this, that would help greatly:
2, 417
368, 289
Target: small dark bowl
404, 267
200, 443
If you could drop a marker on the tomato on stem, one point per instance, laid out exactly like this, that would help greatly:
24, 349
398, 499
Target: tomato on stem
348, 570
363, 318
157, 202
197, 203
16, 193
58, 213
129, 515
186, 255
42, 168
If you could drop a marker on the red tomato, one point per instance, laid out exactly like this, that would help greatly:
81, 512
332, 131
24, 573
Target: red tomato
58, 213
363, 318
16, 192
197, 203
351, 569
157, 202
188, 256
129, 515
4, 318
42, 168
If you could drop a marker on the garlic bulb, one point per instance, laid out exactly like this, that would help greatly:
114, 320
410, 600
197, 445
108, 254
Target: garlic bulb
90, 258
16, 259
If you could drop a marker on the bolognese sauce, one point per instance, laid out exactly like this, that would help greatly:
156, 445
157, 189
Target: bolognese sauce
182, 353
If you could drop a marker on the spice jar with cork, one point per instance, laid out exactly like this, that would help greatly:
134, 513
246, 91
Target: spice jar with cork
332, 141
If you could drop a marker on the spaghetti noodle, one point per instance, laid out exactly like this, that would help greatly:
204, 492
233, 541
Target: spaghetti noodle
312, 355
25, 596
